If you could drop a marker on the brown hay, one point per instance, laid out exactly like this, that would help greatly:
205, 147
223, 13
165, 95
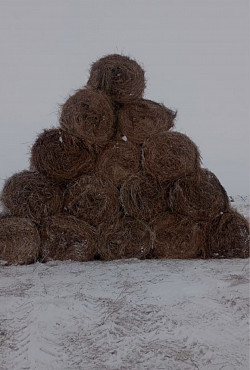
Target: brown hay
89, 115
201, 200
61, 156
93, 200
142, 197
30, 194
119, 161
177, 236
119, 76
140, 120
66, 237
228, 237
127, 238
168, 156
19, 241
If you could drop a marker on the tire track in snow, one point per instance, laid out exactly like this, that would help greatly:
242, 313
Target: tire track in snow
28, 322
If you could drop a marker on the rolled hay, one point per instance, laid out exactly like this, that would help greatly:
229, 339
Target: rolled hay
119, 76
89, 115
127, 238
31, 195
200, 199
19, 241
228, 236
66, 237
177, 236
61, 156
169, 156
92, 199
142, 197
118, 161
144, 118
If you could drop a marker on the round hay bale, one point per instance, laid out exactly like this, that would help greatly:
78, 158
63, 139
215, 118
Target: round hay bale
177, 236
169, 155
31, 195
201, 199
19, 241
121, 77
228, 236
142, 197
127, 238
89, 115
66, 237
118, 161
142, 119
92, 199
61, 156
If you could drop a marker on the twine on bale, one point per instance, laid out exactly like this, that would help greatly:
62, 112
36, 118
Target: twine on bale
144, 118
228, 236
61, 156
142, 197
177, 236
19, 240
66, 237
119, 161
89, 115
30, 195
170, 155
93, 200
200, 199
120, 77
127, 238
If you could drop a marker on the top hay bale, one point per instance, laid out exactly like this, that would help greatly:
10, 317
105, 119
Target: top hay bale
119, 77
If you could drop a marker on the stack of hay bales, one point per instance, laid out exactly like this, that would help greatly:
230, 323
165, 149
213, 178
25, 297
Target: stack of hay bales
114, 180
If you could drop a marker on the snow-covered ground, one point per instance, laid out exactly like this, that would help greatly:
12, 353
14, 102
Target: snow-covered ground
130, 314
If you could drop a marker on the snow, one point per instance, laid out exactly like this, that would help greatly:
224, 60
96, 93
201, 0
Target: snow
128, 314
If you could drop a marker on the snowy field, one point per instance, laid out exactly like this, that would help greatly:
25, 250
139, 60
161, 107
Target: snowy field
129, 314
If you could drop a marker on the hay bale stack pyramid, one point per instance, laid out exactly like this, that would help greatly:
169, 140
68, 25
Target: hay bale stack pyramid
115, 180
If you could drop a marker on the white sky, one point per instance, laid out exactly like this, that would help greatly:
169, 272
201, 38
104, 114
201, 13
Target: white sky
195, 53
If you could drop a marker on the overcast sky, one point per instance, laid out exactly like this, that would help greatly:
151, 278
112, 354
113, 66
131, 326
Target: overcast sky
195, 53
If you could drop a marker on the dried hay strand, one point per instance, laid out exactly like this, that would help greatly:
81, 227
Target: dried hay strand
177, 236
19, 241
92, 199
144, 118
66, 237
61, 156
118, 161
170, 155
228, 236
201, 199
127, 238
89, 115
31, 195
119, 76
142, 197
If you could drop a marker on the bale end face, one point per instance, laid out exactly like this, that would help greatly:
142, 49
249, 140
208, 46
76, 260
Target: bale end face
141, 119
61, 156
177, 237
19, 241
120, 77
228, 236
127, 238
89, 115
92, 200
31, 195
67, 238
170, 155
